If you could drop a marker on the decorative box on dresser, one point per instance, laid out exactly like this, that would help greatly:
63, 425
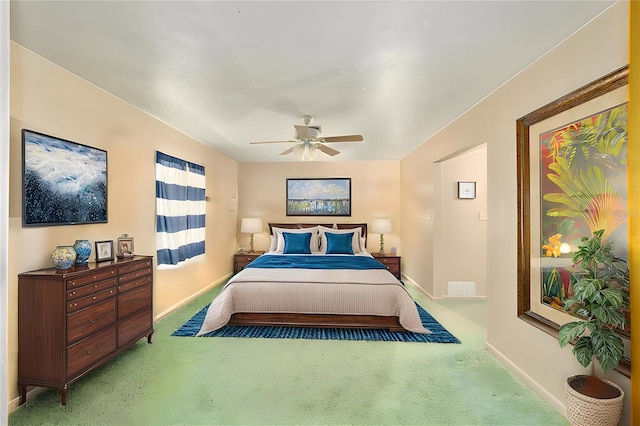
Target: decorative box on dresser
391, 262
240, 260
71, 322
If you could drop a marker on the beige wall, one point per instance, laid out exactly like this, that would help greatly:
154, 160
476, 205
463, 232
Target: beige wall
49, 99
459, 233
594, 51
374, 193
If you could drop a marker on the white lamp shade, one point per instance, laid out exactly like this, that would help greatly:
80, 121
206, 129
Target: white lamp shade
251, 225
381, 226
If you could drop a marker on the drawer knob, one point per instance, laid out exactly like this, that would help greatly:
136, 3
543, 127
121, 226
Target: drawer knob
94, 297
73, 293
93, 321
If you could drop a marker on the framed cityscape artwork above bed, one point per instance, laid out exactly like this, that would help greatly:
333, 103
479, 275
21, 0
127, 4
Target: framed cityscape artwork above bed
318, 196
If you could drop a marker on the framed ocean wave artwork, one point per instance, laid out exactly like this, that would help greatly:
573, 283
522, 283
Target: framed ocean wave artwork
64, 182
572, 182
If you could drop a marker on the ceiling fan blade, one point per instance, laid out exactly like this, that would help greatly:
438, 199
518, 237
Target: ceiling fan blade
254, 143
288, 151
328, 150
345, 138
302, 131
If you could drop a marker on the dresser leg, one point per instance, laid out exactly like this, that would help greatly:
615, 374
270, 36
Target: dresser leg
149, 337
23, 394
63, 396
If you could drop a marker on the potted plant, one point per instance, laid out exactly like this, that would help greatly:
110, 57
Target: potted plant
600, 294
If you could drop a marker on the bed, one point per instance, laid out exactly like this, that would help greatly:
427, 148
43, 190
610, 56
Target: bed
315, 275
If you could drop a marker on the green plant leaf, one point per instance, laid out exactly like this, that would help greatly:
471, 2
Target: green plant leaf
613, 296
608, 348
569, 331
583, 350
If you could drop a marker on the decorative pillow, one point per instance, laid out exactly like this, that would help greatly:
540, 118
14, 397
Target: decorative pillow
356, 248
297, 243
339, 243
280, 241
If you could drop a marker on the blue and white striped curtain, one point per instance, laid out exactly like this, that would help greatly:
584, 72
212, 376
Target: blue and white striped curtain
180, 209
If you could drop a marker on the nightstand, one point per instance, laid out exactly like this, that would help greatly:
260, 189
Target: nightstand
240, 260
391, 262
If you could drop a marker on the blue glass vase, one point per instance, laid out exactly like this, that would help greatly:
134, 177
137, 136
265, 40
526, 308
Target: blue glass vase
63, 257
83, 251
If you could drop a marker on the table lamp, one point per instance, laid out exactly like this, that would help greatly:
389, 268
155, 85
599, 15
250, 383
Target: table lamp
381, 226
251, 225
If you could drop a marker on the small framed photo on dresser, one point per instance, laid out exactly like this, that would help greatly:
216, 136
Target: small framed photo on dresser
125, 246
104, 250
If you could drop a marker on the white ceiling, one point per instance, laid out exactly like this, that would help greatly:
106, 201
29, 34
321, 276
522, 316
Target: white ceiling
230, 72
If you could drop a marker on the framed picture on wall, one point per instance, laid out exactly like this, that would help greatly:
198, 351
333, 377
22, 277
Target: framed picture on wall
572, 182
64, 182
466, 190
319, 197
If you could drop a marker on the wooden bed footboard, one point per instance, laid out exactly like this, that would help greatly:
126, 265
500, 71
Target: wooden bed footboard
390, 323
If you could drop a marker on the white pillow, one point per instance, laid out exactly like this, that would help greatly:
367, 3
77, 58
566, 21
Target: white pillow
279, 248
273, 243
355, 243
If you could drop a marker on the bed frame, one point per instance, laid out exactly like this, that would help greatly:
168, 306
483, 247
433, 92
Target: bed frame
391, 323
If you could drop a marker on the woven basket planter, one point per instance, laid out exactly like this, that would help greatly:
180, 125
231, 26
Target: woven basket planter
584, 410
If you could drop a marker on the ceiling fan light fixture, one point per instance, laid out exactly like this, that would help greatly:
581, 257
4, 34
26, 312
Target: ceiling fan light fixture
309, 144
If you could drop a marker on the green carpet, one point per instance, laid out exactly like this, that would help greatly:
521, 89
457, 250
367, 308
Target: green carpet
178, 381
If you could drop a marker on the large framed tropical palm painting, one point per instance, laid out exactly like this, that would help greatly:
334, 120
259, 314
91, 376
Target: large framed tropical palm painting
572, 182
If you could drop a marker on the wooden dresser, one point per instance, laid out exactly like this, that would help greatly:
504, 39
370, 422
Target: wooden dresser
72, 321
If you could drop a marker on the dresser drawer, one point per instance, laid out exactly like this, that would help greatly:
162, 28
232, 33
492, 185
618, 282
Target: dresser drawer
87, 290
134, 266
87, 301
135, 327
91, 319
87, 352
133, 301
390, 262
135, 283
134, 275
102, 274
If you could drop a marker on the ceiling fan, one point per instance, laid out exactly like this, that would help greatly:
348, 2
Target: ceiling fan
309, 143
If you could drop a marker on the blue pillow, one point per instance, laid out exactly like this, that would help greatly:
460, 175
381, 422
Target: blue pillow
339, 243
297, 243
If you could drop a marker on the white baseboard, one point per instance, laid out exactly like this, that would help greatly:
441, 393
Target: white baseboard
445, 297
415, 284
528, 380
15, 402
192, 297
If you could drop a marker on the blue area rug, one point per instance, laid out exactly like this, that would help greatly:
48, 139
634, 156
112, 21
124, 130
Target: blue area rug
439, 333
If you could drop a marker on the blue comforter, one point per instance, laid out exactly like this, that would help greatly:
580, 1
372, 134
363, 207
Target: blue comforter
316, 262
